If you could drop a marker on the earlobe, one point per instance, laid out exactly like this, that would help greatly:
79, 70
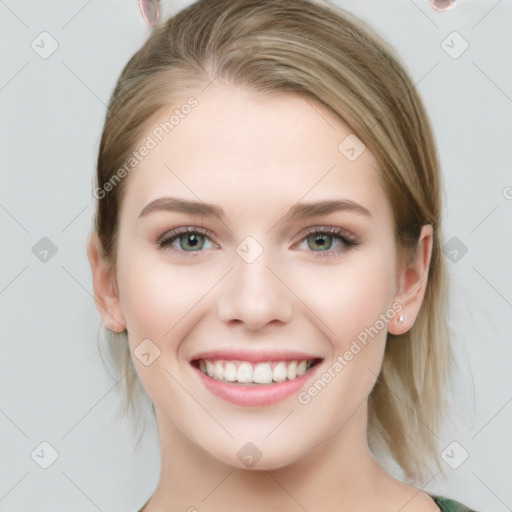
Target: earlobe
106, 295
412, 283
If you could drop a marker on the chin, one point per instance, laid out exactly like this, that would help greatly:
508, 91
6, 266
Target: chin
249, 456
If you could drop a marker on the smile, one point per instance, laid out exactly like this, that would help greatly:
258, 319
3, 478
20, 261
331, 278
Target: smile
245, 372
250, 379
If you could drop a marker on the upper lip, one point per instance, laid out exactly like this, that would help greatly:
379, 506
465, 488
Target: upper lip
254, 356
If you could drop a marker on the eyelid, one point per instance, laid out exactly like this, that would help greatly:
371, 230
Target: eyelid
174, 234
344, 237
347, 238
330, 230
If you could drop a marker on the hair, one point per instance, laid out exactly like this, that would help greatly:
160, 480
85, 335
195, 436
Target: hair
329, 56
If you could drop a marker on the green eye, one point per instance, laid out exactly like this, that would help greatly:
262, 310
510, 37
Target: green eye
187, 239
323, 241
191, 241
328, 241
320, 241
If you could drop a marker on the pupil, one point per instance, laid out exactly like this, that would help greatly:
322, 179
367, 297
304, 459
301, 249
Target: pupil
320, 241
191, 241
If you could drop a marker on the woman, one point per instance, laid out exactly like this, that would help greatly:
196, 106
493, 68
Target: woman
268, 247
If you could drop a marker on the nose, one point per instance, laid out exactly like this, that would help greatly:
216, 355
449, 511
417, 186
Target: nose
254, 295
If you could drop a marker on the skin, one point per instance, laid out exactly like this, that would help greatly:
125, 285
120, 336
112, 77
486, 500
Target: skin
255, 156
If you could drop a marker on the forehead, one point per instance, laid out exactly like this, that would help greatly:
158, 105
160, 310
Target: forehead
251, 149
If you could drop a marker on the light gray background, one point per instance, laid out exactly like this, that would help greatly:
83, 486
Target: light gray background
53, 385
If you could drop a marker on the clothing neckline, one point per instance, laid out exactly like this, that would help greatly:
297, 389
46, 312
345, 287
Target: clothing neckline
436, 499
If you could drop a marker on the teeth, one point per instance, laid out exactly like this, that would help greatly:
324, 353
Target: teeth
218, 370
245, 373
260, 373
230, 372
209, 368
291, 370
279, 373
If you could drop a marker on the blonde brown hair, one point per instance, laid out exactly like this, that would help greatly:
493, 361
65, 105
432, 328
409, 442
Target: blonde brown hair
327, 55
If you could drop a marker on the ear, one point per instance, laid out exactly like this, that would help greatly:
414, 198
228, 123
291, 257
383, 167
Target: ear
106, 296
412, 280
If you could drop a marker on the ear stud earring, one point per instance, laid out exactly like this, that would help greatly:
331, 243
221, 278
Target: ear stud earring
401, 319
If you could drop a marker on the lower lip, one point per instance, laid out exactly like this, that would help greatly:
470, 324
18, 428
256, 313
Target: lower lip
259, 394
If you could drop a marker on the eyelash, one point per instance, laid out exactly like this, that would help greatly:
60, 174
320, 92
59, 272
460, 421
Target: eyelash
344, 236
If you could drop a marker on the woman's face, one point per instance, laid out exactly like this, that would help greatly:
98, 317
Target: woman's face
265, 285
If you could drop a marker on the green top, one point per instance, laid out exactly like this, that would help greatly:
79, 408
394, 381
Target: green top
445, 504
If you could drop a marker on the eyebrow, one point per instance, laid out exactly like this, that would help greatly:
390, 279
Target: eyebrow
304, 210
173, 204
298, 211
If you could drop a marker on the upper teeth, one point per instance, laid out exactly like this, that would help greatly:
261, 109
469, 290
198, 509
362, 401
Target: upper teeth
249, 373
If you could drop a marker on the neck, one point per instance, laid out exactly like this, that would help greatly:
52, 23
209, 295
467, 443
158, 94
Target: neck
340, 474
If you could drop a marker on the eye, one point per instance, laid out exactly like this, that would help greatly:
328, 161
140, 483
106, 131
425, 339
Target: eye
187, 239
328, 241
324, 241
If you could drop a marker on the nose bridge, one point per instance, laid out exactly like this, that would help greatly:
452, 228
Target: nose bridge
252, 294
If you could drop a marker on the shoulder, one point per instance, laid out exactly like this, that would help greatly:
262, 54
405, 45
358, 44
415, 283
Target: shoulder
417, 500
448, 505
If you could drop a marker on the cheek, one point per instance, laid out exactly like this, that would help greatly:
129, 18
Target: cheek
354, 302
158, 301
346, 298
156, 296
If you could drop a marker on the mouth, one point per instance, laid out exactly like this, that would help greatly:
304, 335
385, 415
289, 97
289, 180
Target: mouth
250, 380
250, 374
